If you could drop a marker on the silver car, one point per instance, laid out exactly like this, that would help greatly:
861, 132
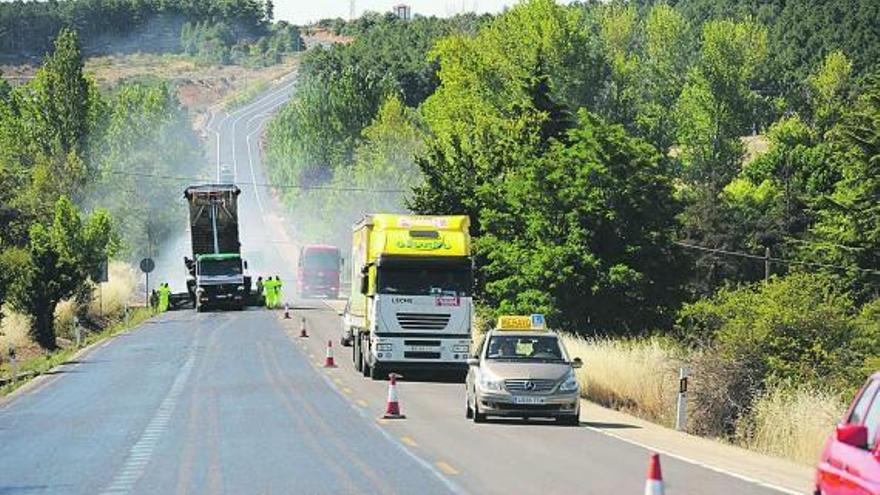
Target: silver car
523, 373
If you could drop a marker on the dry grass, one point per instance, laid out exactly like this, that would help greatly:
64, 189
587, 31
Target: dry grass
14, 330
114, 295
791, 423
636, 376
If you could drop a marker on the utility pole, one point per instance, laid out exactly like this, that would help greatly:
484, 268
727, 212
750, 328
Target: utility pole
351, 10
767, 263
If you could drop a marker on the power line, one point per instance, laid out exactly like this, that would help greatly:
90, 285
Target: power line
198, 180
774, 260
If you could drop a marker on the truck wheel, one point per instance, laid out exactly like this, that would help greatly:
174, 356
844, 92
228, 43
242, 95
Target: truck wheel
377, 373
365, 363
356, 357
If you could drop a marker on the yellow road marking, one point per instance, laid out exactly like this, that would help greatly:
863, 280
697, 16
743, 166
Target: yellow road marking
382, 421
346, 390
409, 441
446, 468
338, 380
361, 403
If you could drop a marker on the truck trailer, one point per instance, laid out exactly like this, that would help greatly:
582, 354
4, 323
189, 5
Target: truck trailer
217, 272
410, 306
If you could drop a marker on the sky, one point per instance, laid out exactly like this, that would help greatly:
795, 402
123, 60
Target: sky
305, 11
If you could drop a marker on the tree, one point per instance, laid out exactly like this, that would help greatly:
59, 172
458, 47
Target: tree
848, 229
829, 88
584, 234
713, 111
60, 108
61, 257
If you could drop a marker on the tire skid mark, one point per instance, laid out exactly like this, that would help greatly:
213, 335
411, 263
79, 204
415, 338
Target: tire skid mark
295, 414
328, 434
191, 445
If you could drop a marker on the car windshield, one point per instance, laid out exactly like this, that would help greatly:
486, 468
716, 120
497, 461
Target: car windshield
321, 260
213, 268
524, 348
431, 281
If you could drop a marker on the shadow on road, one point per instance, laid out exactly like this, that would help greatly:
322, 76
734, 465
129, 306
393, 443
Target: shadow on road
611, 426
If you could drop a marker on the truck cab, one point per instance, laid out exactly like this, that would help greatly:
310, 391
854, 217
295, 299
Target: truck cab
318, 271
220, 281
411, 304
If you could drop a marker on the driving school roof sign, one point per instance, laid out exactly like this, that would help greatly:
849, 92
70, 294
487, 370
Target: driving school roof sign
521, 322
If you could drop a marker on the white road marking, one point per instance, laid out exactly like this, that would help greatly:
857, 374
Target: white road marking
697, 463
142, 451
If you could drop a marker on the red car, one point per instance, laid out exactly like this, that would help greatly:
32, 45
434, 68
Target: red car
850, 463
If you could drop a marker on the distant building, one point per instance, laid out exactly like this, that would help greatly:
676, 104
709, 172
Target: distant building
402, 11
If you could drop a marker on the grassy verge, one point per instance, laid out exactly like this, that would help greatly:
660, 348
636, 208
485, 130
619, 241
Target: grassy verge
246, 95
640, 377
39, 365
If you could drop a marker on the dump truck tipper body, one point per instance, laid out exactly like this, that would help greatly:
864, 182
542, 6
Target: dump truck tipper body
217, 271
410, 306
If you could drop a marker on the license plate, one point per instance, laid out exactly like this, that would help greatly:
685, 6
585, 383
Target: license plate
528, 400
422, 348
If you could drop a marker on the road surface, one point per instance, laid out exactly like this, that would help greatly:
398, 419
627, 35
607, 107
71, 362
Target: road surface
236, 402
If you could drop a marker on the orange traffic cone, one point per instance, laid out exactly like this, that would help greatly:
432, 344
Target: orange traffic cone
654, 483
329, 362
392, 409
302, 329
286, 311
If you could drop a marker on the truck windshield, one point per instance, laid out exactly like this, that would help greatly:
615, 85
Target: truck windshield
524, 348
321, 260
430, 281
213, 268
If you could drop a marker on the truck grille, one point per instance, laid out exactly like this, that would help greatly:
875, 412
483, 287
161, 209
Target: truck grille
529, 386
423, 321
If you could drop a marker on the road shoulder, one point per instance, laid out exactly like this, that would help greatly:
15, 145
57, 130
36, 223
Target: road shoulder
779, 474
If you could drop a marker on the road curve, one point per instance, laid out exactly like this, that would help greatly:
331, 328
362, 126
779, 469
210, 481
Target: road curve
237, 403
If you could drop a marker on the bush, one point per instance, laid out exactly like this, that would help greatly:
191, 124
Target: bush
721, 392
798, 328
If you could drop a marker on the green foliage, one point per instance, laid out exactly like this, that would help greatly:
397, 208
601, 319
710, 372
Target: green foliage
583, 234
800, 328
848, 230
111, 26
61, 257
144, 132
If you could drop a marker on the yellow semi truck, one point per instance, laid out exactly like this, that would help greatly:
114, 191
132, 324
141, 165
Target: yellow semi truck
410, 306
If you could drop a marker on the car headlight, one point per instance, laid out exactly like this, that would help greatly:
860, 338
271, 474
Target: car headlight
200, 290
240, 288
570, 384
490, 382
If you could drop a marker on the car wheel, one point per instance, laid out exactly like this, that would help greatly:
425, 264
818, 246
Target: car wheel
468, 413
572, 420
478, 416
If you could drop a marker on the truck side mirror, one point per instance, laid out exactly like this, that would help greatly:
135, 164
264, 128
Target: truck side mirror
576, 363
245, 265
365, 284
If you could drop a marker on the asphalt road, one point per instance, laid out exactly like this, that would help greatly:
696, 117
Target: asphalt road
236, 402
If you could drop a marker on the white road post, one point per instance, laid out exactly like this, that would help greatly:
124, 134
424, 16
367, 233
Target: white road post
681, 413
13, 364
77, 332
